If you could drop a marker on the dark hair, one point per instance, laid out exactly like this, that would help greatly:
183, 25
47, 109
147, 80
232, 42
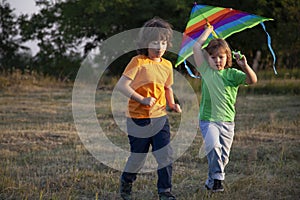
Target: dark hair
154, 29
215, 45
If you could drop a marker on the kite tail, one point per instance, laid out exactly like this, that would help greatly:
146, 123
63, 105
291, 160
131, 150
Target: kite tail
190, 71
270, 47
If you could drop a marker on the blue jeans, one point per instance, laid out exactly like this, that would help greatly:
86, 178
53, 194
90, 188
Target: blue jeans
139, 147
218, 138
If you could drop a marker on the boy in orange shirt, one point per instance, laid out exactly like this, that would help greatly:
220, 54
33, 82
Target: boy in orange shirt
147, 81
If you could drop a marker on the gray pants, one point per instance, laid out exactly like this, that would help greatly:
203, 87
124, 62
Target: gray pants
218, 137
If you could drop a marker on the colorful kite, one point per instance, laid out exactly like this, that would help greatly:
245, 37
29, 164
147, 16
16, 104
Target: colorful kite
226, 21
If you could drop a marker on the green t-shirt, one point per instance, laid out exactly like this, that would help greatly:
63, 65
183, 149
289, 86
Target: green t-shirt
219, 91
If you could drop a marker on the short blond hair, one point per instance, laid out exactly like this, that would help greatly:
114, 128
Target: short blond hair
217, 44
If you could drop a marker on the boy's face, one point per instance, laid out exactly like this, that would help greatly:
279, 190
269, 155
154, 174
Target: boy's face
220, 58
156, 49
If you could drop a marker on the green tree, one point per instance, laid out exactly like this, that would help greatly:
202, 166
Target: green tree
62, 27
10, 42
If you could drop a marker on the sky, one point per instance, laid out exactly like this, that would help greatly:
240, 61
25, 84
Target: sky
23, 6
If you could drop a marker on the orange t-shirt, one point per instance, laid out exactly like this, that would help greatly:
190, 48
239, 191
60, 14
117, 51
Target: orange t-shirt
149, 79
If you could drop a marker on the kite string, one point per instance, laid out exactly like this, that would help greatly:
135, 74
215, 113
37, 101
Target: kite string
213, 32
208, 24
270, 47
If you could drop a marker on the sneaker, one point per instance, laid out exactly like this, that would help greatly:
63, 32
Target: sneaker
206, 187
218, 187
125, 190
166, 196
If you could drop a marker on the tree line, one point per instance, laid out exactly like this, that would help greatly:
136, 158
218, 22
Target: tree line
67, 30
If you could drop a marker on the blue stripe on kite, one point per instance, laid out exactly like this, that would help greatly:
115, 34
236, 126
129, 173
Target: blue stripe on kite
191, 37
189, 45
227, 26
199, 7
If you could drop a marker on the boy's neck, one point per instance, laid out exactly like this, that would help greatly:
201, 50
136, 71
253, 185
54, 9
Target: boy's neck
155, 59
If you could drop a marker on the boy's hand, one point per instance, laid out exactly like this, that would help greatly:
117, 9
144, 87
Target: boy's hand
176, 108
251, 76
148, 101
241, 60
209, 28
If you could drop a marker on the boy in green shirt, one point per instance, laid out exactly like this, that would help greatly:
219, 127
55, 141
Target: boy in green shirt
219, 90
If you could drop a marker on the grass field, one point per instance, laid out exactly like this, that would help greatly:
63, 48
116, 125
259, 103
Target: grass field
42, 156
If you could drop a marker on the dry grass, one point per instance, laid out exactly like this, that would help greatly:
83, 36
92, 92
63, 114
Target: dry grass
42, 157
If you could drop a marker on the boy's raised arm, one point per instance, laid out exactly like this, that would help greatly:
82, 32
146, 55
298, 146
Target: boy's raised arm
251, 75
197, 48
